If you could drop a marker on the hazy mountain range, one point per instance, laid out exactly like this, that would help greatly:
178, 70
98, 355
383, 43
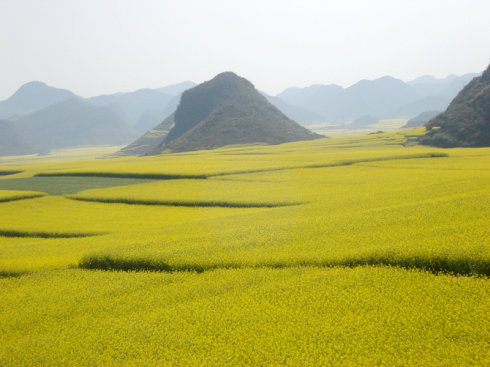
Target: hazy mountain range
382, 98
73, 122
11, 142
38, 117
41, 121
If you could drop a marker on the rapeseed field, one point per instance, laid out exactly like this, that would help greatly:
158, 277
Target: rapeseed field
345, 251
296, 316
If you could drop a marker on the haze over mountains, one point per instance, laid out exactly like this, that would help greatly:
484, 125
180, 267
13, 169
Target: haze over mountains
40, 120
70, 123
11, 143
144, 108
31, 97
382, 98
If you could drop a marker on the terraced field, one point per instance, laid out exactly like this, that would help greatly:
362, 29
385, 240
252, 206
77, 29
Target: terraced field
346, 251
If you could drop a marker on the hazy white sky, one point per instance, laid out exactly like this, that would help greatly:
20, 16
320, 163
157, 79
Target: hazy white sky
103, 46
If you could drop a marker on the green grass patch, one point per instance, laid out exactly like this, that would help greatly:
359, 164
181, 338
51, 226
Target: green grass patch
61, 185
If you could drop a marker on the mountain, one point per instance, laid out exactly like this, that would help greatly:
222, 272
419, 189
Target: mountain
383, 98
227, 110
11, 142
421, 119
154, 133
466, 122
31, 97
374, 97
367, 97
298, 114
150, 140
450, 86
320, 99
171, 106
176, 89
410, 110
73, 123
41, 119
144, 108
135, 107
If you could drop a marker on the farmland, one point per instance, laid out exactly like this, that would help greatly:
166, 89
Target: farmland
354, 251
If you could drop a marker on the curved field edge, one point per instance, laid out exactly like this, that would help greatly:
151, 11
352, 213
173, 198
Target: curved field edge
210, 203
435, 264
156, 176
163, 176
43, 234
12, 274
8, 173
21, 197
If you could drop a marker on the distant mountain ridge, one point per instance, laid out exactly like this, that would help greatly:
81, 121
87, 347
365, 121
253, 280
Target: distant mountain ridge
298, 114
42, 118
31, 97
73, 122
144, 108
383, 98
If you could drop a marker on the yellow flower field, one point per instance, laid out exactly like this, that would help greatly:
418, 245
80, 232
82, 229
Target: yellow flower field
345, 251
300, 316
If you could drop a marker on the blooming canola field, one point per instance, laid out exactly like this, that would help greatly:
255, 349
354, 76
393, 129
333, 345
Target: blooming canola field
345, 251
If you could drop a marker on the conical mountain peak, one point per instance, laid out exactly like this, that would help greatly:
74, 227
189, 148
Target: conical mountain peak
228, 110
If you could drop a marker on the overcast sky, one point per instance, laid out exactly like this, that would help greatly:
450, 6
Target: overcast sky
104, 46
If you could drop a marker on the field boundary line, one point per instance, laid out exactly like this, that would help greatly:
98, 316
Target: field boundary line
199, 204
164, 176
436, 265
43, 234
23, 197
